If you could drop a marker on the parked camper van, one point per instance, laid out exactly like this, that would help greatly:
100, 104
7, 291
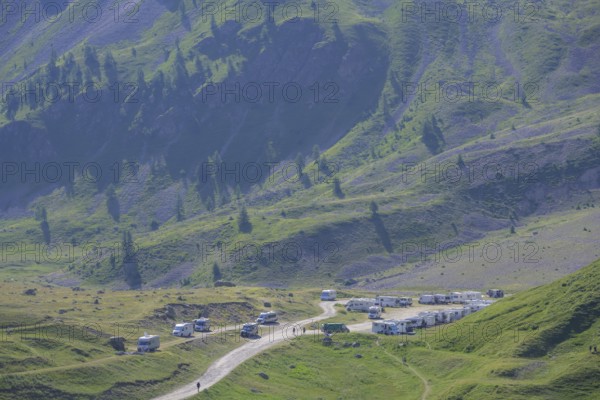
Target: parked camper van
470, 296
148, 343
374, 312
427, 299
495, 293
266, 317
456, 297
249, 330
331, 327
327, 295
387, 301
442, 298
405, 301
202, 325
184, 329
429, 318
417, 322
361, 305
392, 327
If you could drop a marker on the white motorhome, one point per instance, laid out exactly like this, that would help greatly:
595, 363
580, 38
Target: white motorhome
249, 330
446, 316
328, 295
202, 325
385, 327
405, 301
442, 298
148, 343
184, 329
456, 313
429, 318
427, 299
392, 327
374, 312
267, 317
388, 301
417, 322
361, 304
468, 296
456, 297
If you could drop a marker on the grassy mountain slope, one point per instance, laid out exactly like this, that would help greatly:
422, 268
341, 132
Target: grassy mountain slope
539, 141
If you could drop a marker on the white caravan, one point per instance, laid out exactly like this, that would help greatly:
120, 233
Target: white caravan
328, 295
362, 304
427, 299
148, 343
374, 312
185, 329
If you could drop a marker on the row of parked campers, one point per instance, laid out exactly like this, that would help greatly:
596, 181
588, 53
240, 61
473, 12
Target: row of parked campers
186, 329
425, 319
393, 301
454, 297
370, 305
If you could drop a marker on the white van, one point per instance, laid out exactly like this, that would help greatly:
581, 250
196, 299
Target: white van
374, 312
328, 295
148, 343
184, 329
267, 317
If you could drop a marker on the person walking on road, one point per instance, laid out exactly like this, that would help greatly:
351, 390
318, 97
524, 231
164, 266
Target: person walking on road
198, 386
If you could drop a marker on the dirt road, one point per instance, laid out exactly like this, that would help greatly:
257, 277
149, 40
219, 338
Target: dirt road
223, 366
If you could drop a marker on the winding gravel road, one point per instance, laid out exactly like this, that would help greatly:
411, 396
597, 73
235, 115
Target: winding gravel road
224, 365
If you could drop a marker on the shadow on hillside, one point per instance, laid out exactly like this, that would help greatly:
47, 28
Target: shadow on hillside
382, 232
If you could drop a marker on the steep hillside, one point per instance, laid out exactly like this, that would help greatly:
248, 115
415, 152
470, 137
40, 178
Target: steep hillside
361, 139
